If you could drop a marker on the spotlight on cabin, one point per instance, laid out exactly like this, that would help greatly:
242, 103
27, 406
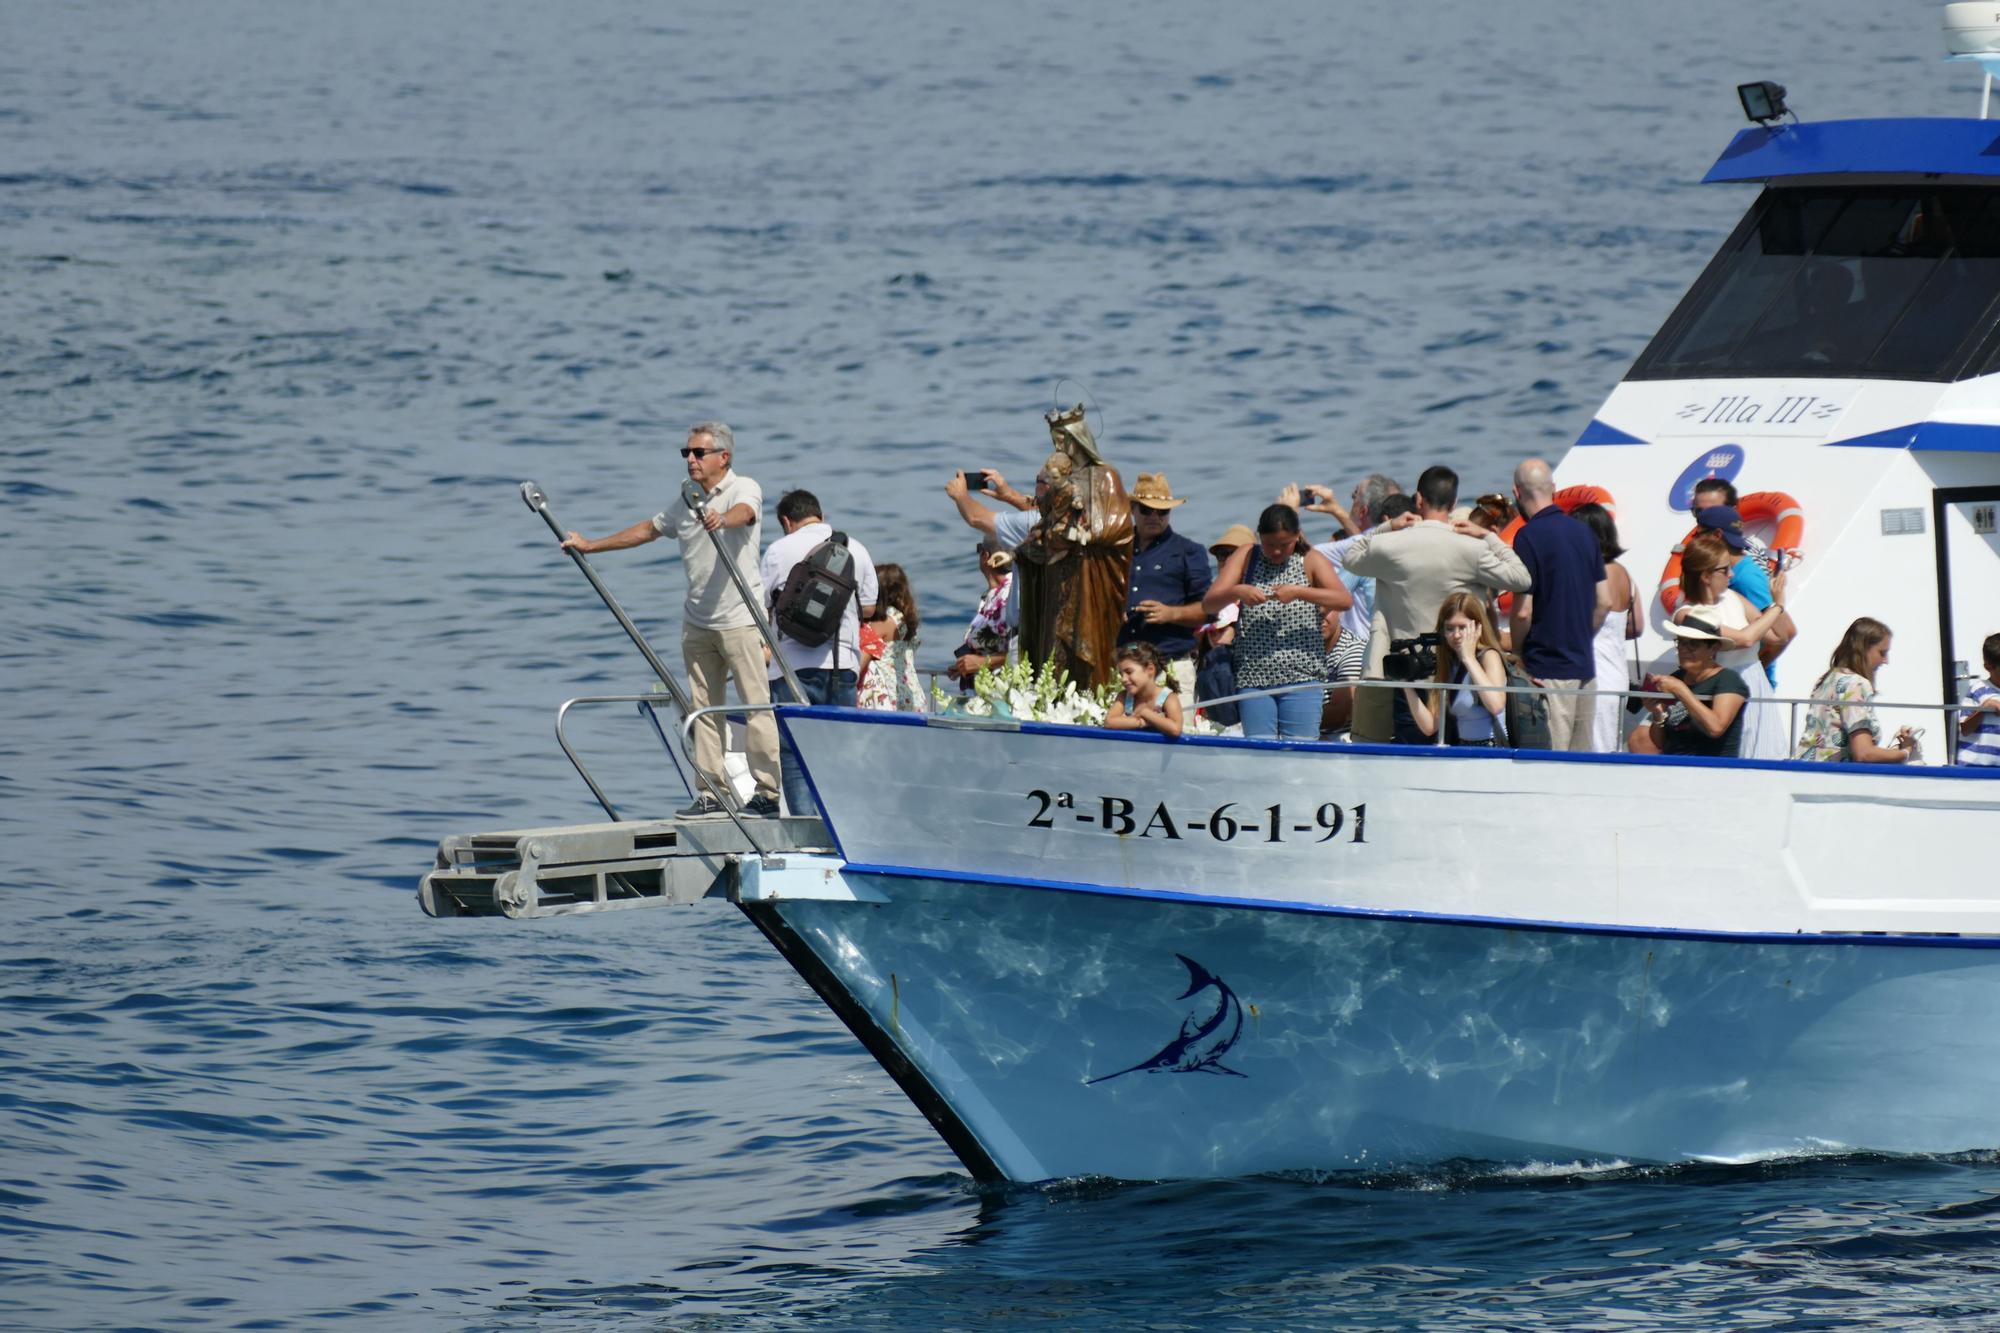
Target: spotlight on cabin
1762, 102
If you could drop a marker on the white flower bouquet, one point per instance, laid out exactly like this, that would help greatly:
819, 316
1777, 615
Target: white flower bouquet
1027, 693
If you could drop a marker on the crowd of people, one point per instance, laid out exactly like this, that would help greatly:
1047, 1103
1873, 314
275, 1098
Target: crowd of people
1456, 610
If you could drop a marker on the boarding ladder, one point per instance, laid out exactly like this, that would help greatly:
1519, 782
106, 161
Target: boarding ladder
576, 868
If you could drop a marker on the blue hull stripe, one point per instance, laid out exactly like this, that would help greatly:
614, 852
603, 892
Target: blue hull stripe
1599, 433
1430, 918
1949, 437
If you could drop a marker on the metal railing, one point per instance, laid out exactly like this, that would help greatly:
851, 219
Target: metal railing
1589, 693
645, 703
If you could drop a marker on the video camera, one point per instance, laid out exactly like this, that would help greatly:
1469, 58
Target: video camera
1412, 659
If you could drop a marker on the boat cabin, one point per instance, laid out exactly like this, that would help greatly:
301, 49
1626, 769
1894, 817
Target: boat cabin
1842, 350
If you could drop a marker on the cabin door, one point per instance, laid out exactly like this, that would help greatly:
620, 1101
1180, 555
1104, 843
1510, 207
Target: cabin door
1968, 553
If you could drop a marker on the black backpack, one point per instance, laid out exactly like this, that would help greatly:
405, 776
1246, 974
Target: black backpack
808, 609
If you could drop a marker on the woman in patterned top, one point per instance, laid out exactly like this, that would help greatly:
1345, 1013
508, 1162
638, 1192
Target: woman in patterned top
1283, 587
891, 684
1841, 726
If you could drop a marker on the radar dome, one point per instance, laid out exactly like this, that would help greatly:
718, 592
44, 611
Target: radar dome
1972, 28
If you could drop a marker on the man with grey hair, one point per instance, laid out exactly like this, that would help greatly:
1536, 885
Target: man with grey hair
1555, 622
1364, 511
719, 636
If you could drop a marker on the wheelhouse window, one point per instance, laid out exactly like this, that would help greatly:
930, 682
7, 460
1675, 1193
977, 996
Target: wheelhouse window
1893, 282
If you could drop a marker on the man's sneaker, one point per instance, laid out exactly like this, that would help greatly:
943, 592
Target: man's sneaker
762, 806
707, 805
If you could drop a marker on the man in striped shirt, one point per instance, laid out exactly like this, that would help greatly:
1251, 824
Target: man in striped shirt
1979, 729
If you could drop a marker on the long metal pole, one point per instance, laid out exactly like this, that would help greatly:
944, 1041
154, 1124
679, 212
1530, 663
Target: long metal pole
536, 500
697, 500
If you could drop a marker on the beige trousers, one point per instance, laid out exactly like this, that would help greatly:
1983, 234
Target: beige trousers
1572, 717
713, 657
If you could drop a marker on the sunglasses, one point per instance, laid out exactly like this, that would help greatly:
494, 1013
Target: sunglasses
1147, 511
701, 453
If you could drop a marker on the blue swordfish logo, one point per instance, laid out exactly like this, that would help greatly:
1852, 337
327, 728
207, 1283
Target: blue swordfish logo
1205, 1037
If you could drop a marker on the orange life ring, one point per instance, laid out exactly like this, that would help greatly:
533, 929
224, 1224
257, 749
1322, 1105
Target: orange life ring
1788, 520
1567, 499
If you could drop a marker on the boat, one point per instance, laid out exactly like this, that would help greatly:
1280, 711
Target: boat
1107, 954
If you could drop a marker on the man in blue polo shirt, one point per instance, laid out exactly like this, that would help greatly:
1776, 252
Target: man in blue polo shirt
1555, 622
1170, 576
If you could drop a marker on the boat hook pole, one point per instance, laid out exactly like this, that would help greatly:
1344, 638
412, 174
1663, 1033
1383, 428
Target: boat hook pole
533, 496
696, 499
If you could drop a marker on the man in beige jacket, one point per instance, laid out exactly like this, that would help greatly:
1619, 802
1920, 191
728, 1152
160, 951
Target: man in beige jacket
1415, 568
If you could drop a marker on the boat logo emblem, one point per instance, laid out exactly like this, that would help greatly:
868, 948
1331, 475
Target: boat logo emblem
1722, 463
1207, 1032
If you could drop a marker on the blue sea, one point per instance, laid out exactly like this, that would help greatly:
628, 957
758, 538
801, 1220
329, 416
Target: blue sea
292, 297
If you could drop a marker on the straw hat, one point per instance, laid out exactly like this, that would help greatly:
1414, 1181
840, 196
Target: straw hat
1701, 628
1238, 535
1153, 492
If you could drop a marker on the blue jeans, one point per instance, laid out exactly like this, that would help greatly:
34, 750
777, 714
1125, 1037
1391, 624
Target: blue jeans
1288, 717
823, 685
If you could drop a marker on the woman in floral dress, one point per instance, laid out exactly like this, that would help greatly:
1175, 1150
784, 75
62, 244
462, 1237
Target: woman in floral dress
1841, 726
891, 684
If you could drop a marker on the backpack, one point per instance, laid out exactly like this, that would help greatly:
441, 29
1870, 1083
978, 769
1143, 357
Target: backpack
1527, 715
808, 609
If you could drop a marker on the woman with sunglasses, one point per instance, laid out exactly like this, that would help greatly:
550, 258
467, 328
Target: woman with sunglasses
1705, 716
1705, 570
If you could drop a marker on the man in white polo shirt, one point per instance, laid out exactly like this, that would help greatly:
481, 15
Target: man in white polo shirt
719, 638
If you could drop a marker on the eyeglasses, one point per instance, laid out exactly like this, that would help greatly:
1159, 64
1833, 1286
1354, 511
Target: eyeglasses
701, 453
1147, 511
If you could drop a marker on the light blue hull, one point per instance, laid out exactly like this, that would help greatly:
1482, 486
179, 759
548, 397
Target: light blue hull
1264, 1040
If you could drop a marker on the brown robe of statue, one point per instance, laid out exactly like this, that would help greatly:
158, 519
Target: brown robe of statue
1074, 572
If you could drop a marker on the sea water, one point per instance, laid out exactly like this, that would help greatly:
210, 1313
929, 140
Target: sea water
294, 296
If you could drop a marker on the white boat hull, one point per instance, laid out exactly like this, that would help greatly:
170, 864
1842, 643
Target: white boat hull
1514, 958
1728, 847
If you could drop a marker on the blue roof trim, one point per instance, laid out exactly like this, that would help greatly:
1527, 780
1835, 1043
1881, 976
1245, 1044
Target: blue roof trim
1872, 939
1829, 147
1945, 437
1599, 433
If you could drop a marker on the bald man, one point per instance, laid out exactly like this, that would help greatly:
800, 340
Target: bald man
1555, 623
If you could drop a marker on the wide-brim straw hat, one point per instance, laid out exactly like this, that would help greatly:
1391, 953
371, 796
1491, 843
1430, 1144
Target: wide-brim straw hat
1238, 535
1152, 491
1698, 627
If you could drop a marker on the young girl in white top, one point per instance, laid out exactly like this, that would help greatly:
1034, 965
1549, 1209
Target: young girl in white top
1148, 701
